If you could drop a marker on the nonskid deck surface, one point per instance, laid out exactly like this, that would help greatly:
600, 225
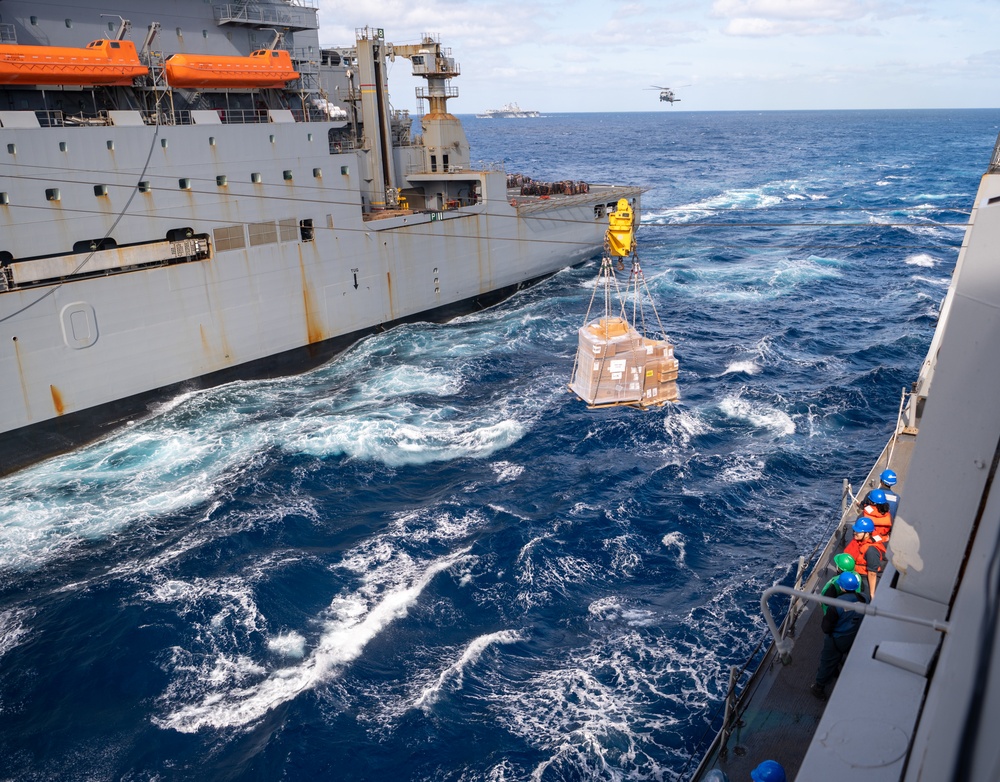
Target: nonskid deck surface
781, 715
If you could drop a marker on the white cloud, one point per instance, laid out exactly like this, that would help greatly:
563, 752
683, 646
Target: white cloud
839, 10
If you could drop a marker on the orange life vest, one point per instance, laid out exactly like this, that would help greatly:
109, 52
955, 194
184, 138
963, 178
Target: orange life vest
858, 549
882, 521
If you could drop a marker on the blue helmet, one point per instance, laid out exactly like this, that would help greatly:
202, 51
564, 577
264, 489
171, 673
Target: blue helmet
849, 581
768, 771
877, 496
888, 477
864, 524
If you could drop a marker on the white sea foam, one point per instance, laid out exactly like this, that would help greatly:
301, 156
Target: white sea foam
922, 259
453, 677
736, 198
758, 415
742, 469
675, 540
941, 282
353, 621
507, 471
404, 433
290, 644
682, 425
745, 367
13, 629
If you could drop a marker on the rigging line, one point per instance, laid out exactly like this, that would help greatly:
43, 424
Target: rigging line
539, 218
121, 214
411, 230
807, 225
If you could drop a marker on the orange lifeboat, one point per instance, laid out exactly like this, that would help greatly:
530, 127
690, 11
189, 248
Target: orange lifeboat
269, 68
101, 62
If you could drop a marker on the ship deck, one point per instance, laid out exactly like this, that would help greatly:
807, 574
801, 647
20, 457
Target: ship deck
777, 715
609, 194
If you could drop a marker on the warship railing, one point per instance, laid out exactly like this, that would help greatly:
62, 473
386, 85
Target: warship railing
301, 16
995, 159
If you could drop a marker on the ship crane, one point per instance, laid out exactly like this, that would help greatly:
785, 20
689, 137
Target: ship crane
617, 364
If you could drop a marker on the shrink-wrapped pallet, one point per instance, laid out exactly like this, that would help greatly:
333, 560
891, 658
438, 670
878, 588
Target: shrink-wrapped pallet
616, 365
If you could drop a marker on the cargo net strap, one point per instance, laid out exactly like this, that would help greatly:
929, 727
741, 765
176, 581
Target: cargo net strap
607, 382
635, 289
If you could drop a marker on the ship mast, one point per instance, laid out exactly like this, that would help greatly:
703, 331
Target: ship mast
446, 147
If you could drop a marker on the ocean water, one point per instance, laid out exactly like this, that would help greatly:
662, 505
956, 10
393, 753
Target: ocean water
426, 560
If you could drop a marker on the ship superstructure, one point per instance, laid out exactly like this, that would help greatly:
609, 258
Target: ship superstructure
243, 201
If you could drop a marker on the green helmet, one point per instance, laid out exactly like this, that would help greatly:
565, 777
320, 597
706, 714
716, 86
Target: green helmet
844, 563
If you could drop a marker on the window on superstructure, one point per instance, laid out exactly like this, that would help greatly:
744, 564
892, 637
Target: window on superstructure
434, 163
287, 174
230, 237
144, 186
11, 149
63, 146
263, 233
288, 229
318, 173
52, 194
306, 229
34, 20
255, 177
184, 184
100, 190
222, 180
204, 33
111, 145
69, 22
444, 162
111, 27
4, 199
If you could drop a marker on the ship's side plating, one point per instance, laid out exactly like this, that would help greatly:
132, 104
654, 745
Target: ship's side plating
154, 235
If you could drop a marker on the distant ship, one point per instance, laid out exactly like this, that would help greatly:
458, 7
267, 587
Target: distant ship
509, 111
218, 200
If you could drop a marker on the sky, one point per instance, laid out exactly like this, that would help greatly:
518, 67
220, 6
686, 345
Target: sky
717, 55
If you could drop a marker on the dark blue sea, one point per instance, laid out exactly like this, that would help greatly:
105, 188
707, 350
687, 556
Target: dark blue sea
426, 560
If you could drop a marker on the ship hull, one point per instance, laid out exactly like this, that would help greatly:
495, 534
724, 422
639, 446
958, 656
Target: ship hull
71, 349
33, 443
153, 239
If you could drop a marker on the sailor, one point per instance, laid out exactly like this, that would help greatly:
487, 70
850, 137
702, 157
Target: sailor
876, 508
887, 480
768, 771
840, 626
869, 554
844, 563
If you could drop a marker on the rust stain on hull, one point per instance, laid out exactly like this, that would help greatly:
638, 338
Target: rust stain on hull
20, 375
314, 323
57, 401
392, 307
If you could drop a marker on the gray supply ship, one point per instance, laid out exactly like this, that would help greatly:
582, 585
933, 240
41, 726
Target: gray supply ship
918, 697
194, 192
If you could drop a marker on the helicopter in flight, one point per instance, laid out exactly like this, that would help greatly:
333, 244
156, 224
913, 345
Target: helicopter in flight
667, 94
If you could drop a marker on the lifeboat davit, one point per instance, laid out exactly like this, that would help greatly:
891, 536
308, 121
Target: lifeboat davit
101, 62
266, 68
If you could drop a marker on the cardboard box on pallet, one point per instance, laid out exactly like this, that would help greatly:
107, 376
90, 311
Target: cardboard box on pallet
616, 365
